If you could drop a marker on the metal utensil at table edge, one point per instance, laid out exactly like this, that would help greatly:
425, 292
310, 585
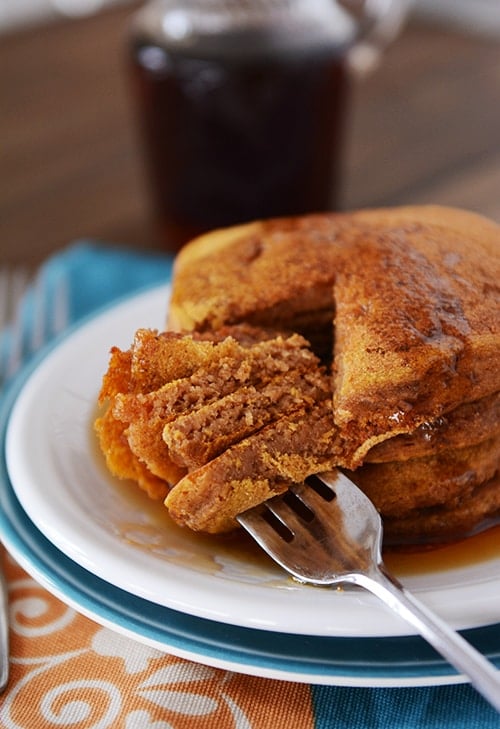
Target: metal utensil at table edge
49, 316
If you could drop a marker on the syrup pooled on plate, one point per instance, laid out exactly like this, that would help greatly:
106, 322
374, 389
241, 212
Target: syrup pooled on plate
465, 552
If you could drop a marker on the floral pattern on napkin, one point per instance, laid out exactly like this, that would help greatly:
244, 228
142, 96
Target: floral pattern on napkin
68, 671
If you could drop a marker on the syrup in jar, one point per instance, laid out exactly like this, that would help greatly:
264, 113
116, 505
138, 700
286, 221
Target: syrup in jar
241, 124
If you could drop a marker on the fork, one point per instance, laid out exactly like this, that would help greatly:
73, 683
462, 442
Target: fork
29, 317
326, 531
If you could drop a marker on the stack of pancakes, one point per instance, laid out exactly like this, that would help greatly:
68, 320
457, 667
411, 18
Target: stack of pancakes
393, 314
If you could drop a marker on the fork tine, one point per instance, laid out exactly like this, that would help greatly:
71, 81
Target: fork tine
308, 505
299, 539
313, 497
13, 283
50, 310
39, 314
60, 319
32, 320
296, 508
17, 283
4, 297
254, 521
315, 524
271, 536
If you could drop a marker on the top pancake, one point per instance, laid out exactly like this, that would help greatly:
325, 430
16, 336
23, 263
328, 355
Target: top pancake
411, 293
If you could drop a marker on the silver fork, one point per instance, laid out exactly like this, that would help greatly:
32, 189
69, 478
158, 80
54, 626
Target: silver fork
47, 315
18, 341
327, 532
13, 283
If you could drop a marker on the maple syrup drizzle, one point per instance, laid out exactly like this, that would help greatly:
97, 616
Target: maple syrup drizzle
463, 553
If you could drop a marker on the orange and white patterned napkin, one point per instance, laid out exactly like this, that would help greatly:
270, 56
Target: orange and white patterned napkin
69, 672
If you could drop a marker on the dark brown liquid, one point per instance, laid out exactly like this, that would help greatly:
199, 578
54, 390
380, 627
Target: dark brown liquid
462, 553
231, 136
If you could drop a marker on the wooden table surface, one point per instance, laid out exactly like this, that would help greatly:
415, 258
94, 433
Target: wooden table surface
425, 127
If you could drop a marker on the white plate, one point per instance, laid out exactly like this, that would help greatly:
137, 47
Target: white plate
116, 534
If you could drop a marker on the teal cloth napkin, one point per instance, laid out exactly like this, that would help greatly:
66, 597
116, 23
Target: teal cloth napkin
97, 275
89, 275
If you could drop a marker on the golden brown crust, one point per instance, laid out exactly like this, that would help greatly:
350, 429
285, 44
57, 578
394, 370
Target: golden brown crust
468, 424
443, 478
446, 522
211, 393
133, 374
267, 273
218, 369
121, 461
254, 469
416, 298
417, 326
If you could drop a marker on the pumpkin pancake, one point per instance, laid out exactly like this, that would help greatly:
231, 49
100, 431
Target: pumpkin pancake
367, 340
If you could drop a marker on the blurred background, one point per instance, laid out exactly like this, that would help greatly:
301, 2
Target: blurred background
476, 15
424, 125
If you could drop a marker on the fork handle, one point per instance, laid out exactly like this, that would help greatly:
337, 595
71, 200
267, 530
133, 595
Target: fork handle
450, 644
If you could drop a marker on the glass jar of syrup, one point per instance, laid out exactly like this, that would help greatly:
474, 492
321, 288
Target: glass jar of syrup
242, 106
